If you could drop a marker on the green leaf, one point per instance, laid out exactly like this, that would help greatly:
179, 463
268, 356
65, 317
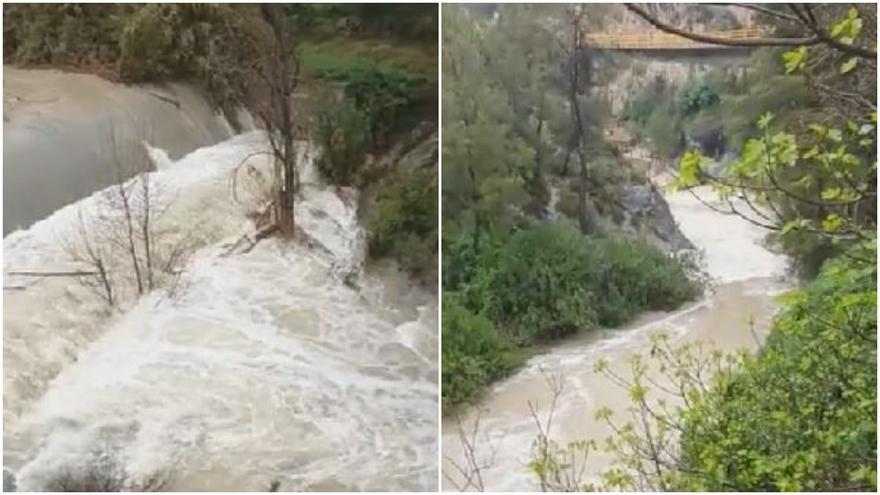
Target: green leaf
832, 223
793, 226
831, 193
638, 392
795, 60
849, 65
689, 168
765, 120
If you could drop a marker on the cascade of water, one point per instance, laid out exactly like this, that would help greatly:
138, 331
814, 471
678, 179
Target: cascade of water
265, 366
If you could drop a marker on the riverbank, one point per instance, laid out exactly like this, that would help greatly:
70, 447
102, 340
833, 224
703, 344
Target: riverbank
735, 314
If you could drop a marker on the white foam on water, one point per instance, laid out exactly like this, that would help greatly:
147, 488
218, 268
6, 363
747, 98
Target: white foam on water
38, 244
158, 156
733, 248
268, 365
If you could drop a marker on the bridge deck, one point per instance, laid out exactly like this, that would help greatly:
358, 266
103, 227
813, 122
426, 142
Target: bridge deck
658, 40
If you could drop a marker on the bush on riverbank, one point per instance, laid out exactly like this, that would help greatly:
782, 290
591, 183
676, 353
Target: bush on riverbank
379, 104
342, 131
793, 431
386, 95
797, 416
474, 353
402, 222
548, 281
801, 415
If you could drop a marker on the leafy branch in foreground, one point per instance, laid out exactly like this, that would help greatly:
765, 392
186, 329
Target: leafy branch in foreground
558, 468
813, 184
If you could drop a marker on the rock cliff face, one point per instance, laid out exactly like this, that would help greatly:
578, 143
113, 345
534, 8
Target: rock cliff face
647, 213
635, 210
684, 15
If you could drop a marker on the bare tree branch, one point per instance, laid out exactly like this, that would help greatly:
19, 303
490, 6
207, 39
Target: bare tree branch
759, 8
717, 40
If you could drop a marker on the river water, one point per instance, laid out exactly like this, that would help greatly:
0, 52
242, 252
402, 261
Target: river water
57, 127
734, 314
267, 365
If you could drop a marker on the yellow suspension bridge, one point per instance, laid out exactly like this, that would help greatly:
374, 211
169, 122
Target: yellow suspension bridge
659, 40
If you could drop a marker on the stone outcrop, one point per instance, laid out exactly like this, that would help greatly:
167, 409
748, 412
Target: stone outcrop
647, 212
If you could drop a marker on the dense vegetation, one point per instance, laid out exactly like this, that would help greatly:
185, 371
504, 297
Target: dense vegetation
800, 416
403, 222
539, 284
514, 132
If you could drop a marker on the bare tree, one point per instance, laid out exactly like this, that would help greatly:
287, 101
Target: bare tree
125, 165
86, 247
104, 473
468, 475
128, 241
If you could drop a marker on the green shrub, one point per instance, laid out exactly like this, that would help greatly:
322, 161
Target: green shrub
697, 97
62, 34
542, 283
473, 353
460, 257
551, 281
537, 289
403, 222
663, 129
633, 276
343, 134
801, 415
384, 94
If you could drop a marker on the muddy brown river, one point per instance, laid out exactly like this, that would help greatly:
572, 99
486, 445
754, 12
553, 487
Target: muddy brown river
734, 313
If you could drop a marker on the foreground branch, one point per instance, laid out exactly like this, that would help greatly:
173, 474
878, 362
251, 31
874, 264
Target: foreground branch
719, 40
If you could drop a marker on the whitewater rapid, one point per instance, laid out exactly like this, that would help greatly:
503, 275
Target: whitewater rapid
266, 365
735, 313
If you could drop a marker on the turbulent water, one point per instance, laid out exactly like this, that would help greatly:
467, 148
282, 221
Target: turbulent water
273, 364
735, 313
